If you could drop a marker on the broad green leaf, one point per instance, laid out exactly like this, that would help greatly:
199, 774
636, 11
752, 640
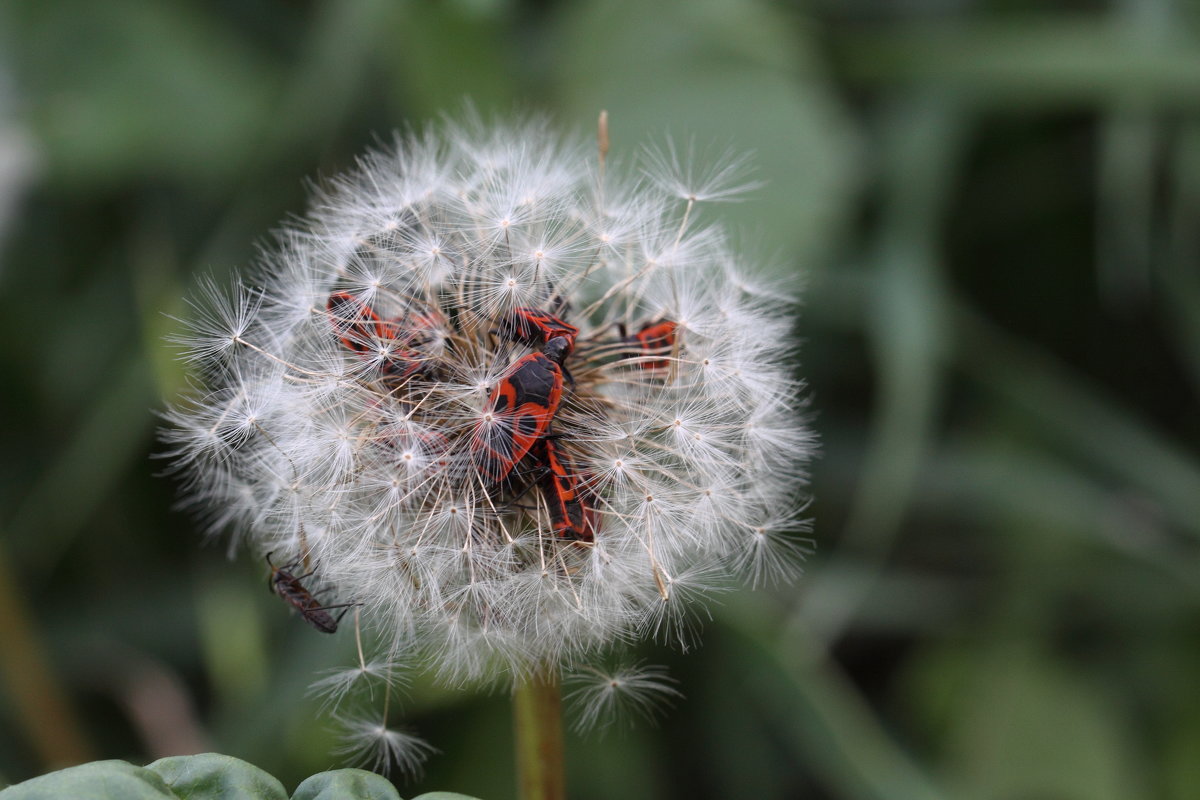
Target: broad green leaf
730, 73
346, 784
208, 776
211, 776
99, 780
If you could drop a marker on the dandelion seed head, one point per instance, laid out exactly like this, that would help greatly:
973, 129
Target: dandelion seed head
344, 407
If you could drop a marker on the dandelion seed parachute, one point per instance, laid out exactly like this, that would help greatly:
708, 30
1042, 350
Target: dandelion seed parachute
626, 693
372, 744
340, 386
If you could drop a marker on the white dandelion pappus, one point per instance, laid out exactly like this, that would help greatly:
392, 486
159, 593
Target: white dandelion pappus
358, 400
371, 744
624, 693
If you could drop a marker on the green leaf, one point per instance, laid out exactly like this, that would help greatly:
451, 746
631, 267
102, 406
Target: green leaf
208, 776
346, 784
99, 780
211, 776
734, 73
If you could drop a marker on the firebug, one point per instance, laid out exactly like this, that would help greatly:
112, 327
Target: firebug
364, 332
520, 410
655, 338
535, 327
568, 499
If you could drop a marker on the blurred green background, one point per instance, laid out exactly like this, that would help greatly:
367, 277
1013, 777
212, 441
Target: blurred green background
994, 206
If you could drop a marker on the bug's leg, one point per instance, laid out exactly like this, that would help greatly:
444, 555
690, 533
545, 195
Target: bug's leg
558, 304
531, 477
345, 607
537, 474
289, 566
524, 491
274, 572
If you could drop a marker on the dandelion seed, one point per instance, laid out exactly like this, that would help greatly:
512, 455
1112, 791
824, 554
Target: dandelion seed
376, 676
369, 742
699, 177
626, 694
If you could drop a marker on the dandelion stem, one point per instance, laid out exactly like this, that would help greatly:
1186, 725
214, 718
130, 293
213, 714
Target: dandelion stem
537, 725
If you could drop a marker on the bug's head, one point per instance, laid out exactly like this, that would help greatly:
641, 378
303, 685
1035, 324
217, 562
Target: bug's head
557, 349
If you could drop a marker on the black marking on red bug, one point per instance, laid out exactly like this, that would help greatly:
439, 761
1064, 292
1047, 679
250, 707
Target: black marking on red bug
290, 587
520, 411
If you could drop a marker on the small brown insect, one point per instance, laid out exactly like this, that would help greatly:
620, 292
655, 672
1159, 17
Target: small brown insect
289, 587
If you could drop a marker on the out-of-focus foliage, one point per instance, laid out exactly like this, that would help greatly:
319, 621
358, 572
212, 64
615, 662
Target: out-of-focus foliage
994, 207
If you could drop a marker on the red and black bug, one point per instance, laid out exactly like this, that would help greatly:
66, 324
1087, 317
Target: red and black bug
288, 586
364, 332
519, 412
535, 327
655, 338
569, 500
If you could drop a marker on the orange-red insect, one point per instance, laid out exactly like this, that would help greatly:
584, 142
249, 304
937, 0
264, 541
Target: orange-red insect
520, 410
535, 327
288, 586
364, 332
570, 503
654, 338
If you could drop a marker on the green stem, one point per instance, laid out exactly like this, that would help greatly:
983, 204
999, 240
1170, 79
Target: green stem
537, 725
